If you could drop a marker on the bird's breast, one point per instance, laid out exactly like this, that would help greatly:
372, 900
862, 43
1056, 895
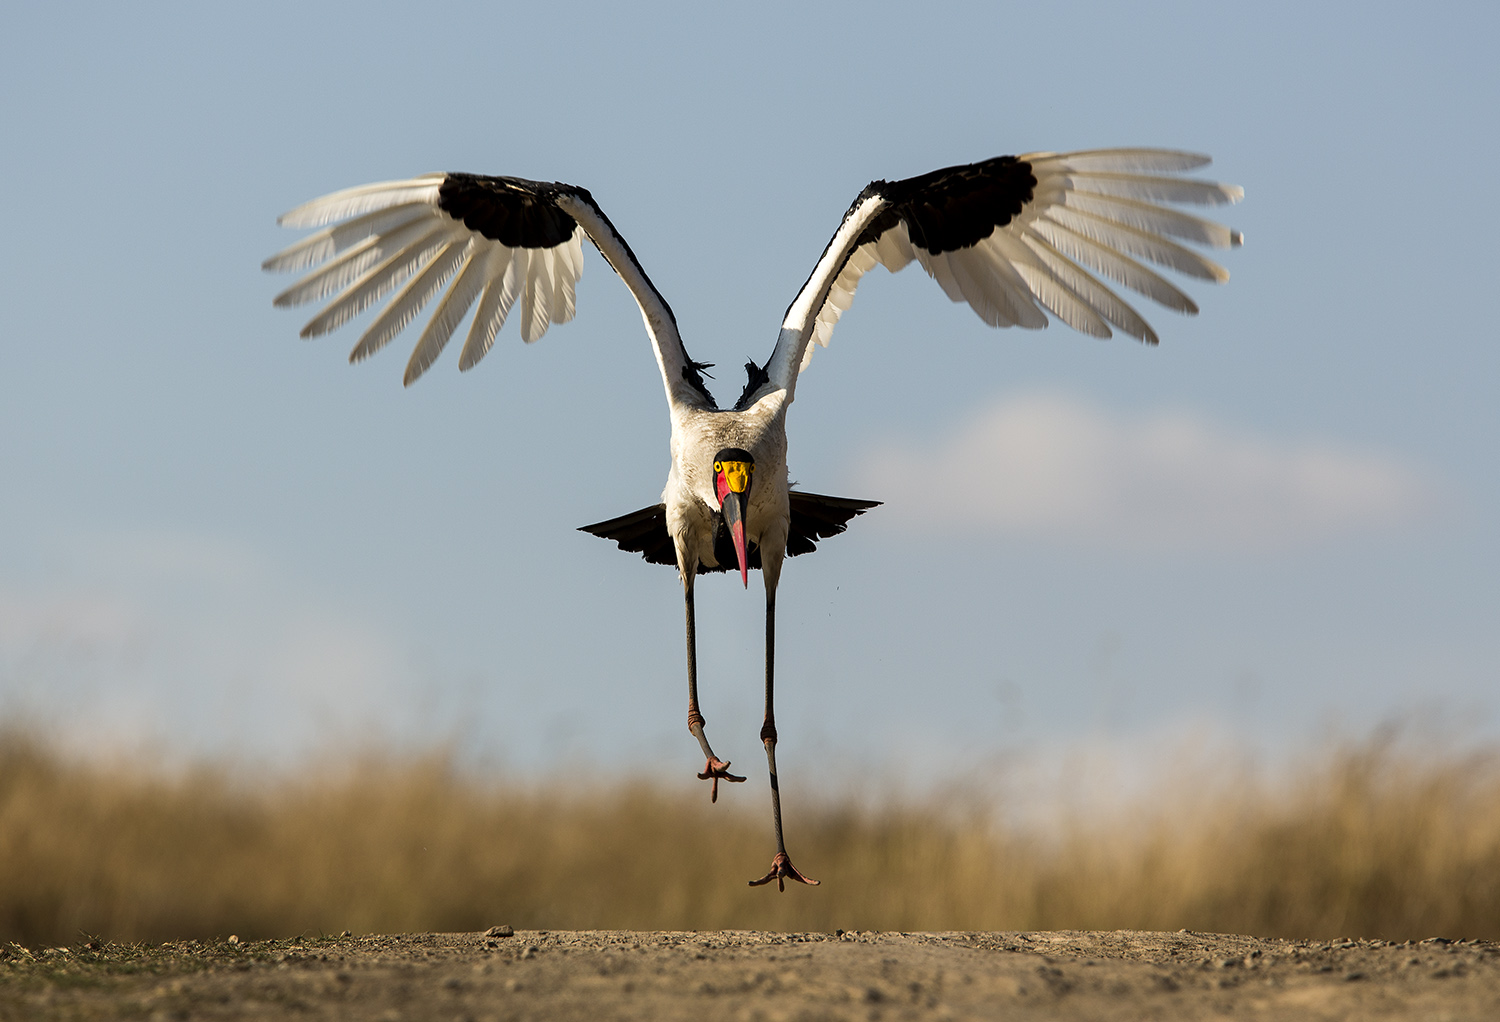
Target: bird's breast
697, 436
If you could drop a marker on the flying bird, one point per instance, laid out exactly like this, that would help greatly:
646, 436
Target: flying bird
1015, 237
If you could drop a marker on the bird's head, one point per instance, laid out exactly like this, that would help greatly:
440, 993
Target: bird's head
734, 472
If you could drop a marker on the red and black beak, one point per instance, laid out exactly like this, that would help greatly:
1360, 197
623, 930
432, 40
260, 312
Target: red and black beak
733, 472
734, 518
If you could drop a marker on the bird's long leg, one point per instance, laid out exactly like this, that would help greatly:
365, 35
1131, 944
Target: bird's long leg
713, 767
781, 866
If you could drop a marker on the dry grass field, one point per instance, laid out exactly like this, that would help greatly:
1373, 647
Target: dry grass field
1371, 841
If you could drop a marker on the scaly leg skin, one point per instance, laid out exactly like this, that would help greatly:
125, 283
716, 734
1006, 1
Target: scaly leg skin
713, 767
782, 869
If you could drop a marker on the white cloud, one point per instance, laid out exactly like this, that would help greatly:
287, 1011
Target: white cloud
1056, 468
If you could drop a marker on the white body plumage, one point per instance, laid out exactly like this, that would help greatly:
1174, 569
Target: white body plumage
691, 501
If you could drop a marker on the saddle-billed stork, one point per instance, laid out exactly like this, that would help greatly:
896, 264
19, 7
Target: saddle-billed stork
1011, 236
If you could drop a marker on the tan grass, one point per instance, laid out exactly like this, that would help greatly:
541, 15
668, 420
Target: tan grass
1371, 842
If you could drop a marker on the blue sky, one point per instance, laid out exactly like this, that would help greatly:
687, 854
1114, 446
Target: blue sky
219, 539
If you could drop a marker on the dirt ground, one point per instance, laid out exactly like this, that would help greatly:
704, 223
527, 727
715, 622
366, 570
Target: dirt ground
746, 975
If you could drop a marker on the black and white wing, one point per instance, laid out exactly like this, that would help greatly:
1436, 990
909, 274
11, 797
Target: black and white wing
484, 242
1014, 235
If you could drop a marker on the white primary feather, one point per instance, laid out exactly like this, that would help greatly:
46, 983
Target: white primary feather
1052, 292
450, 311
572, 256
363, 199
1108, 304
1154, 189
336, 275
494, 306
938, 269
517, 275
536, 296
1112, 264
561, 305
1020, 304
1166, 161
333, 276
1152, 219
331, 240
563, 296
958, 267
1074, 296
982, 286
418, 292
1133, 241
377, 282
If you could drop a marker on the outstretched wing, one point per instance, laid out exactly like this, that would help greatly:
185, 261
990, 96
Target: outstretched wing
1018, 234
482, 242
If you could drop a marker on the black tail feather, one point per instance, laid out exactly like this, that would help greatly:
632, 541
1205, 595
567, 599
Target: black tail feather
814, 517
641, 532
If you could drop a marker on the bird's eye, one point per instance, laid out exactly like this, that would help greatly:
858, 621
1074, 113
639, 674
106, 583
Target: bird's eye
749, 468
718, 466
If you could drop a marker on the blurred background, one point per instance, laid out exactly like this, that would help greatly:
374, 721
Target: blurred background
241, 581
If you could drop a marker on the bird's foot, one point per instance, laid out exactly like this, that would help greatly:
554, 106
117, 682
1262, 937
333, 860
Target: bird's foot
782, 870
714, 769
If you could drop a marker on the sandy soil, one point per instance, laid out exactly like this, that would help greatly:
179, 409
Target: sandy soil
734, 975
